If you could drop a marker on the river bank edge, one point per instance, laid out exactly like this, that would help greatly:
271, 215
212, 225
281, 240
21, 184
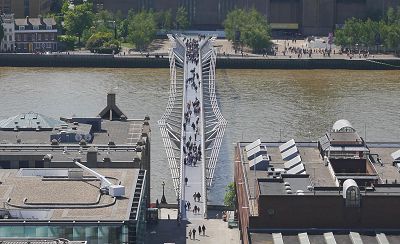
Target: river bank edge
110, 61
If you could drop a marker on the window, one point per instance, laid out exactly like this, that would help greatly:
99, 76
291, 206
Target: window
353, 197
10, 30
36, 27
39, 36
46, 37
10, 37
49, 27
21, 27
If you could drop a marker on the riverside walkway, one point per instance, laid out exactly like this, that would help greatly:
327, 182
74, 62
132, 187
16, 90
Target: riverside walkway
192, 126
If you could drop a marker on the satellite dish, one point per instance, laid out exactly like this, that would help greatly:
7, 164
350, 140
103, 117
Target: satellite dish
78, 137
88, 137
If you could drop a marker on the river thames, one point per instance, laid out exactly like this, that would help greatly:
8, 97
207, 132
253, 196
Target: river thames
269, 104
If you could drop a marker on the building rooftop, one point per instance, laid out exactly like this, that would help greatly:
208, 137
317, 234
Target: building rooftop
317, 174
119, 132
318, 238
49, 194
30, 121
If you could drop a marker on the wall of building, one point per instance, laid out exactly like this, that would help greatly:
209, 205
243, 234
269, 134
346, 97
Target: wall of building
314, 17
242, 198
23, 8
322, 211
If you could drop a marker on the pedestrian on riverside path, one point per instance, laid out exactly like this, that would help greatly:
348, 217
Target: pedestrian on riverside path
199, 230
190, 234
204, 230
198, 196
194, 196
186, 181
194, 234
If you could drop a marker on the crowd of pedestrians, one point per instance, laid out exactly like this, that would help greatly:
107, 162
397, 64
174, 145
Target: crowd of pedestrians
191, 127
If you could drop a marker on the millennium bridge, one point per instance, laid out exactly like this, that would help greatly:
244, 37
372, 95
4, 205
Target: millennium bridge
192, 126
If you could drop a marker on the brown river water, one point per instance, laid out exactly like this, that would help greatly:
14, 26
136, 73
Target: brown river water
266, 104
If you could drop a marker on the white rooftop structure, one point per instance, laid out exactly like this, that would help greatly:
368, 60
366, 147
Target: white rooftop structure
298, 169
293, 162
260, 163
285, 146
253, 145
256, 151
396, 155
342, 125
290, 153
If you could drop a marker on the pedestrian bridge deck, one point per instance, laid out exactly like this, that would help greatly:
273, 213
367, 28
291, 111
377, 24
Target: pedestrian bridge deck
192, 126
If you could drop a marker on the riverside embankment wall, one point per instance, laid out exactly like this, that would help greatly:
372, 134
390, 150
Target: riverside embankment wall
109, 61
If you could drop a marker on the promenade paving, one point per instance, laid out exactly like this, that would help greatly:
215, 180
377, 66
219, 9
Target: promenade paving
168, 231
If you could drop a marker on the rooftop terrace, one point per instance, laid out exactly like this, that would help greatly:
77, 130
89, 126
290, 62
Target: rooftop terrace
55, 197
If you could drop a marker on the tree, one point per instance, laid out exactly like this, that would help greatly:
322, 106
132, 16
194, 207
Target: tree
102, 42
252, 26
164, 19
142, 29
368, 33
77, 19
230, 195
182, 20
1, 30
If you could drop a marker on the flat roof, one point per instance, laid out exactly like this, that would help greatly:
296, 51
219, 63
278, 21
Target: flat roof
317, 174
62, 199
318, 237
120, 132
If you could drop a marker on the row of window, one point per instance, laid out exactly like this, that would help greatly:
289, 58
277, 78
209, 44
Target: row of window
33, 47
35, 27
7, 38
7, 30
35, 37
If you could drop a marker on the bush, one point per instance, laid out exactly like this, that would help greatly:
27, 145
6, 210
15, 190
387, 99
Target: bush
67, 42
103, 42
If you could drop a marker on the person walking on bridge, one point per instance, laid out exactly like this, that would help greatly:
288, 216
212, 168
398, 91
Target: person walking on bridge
186, 181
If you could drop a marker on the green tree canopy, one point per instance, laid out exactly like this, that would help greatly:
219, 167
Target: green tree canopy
368, 33
78, 18
182, 20
164, 19
230, 195
142, 28
254, 30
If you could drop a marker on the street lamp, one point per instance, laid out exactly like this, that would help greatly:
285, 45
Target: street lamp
163, 199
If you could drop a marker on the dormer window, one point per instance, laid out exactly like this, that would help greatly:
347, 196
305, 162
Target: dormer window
49, 27
21, 27
36, 27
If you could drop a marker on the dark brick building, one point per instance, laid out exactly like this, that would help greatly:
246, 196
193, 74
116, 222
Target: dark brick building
340, 184
309, 17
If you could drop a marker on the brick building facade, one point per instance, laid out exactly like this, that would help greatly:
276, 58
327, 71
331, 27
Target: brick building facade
35, 35
309, 17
